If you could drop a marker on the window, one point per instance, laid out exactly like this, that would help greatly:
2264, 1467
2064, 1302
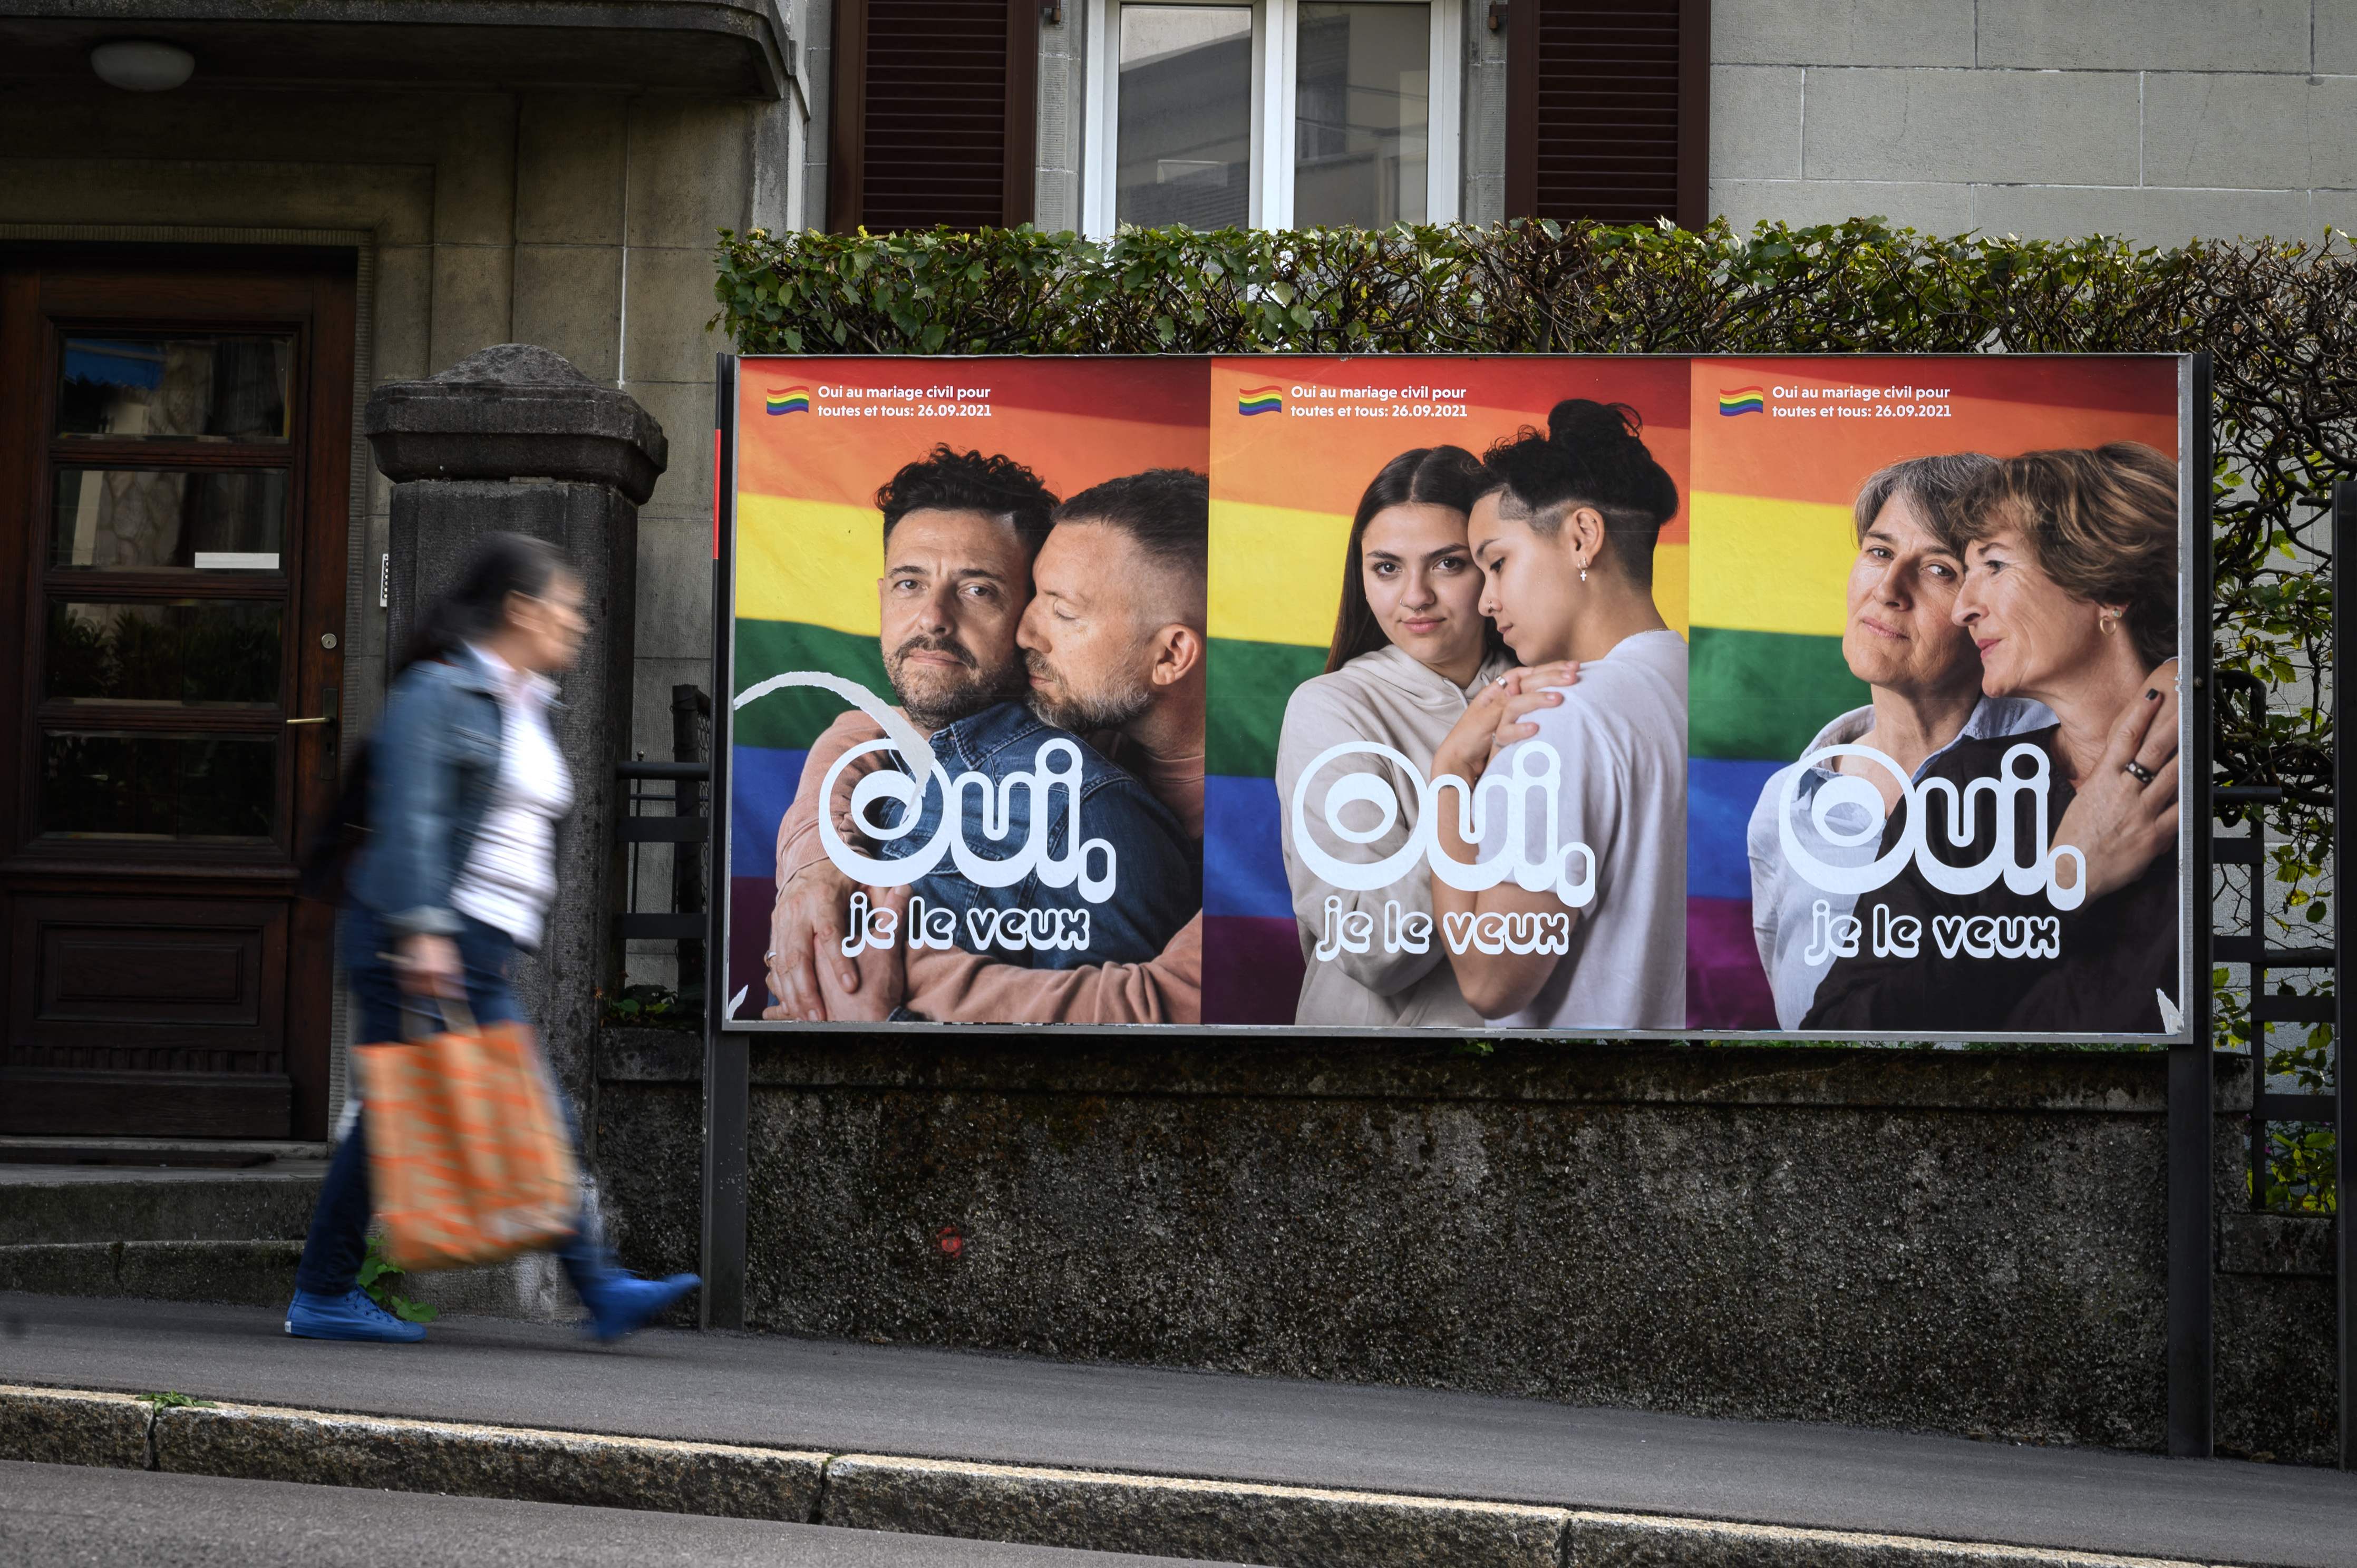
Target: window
1608, 109
1272, 114
935, 111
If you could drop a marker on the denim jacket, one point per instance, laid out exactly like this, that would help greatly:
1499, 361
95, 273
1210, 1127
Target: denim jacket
435, 761
1157, 867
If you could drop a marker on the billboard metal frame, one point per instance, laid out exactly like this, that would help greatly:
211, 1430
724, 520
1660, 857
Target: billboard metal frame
2191, 1112
2192, 723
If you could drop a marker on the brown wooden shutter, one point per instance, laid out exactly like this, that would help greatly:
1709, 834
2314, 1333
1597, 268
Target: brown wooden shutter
934, 114
1608, 109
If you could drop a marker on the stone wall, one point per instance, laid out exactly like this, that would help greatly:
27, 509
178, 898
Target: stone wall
1966, 1242
2155, 119
1063, 118
1484, 122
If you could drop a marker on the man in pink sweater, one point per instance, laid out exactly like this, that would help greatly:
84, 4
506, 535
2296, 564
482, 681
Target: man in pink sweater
1114, 640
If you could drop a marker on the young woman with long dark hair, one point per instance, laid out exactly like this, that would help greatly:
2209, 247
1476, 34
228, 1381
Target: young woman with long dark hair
1411, 645
455, 876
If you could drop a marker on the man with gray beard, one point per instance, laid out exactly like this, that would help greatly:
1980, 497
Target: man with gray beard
961, 534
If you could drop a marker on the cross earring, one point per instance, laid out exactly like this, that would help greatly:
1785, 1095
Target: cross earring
1583, 573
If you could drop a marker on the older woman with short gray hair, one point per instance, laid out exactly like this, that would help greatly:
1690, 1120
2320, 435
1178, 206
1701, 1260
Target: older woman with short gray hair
1901, 639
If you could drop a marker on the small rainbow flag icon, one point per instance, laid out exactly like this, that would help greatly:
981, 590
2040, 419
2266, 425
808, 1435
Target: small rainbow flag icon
1259, 400
787, 400
1742, 400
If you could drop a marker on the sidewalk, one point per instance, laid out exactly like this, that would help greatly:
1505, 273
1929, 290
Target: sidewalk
838, 1399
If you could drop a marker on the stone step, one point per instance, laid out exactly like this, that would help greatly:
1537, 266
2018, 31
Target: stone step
248, 1273
54, 1205
205, 1234
262, 1273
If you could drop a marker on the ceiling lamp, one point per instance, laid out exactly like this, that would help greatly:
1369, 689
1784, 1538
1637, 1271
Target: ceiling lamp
142, 65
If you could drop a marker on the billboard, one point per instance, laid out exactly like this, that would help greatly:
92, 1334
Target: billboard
1823, 697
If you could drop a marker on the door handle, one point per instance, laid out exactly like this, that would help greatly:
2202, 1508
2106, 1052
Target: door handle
331, 704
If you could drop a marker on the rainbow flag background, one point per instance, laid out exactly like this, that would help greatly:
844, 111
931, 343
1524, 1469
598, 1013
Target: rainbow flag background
810, 545
1757, 561
1283, 493
1743, 399
1773, 543
787, 400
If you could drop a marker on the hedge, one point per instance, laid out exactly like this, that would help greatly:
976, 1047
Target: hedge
2279, 318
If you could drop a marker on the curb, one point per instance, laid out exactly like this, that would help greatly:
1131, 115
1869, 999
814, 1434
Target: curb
1236, 1521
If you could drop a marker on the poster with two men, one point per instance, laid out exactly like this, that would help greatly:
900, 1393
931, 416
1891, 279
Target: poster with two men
1831, 697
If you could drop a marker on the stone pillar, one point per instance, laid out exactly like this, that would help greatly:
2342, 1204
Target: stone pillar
514, 439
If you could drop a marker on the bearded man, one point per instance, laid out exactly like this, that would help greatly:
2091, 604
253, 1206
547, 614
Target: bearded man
1114, 642
961, 534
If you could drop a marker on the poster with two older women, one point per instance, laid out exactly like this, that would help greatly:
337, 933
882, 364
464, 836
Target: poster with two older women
1832, 697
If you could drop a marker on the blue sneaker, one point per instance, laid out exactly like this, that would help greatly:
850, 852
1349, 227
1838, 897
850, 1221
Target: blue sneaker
623, 1304
351, 1315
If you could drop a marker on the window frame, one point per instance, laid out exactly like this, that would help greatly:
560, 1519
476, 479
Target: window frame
1276, 35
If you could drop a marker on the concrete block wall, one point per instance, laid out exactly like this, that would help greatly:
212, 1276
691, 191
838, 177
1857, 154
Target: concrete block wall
2159, 120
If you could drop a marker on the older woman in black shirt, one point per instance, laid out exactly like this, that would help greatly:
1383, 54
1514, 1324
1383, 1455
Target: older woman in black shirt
2070, 591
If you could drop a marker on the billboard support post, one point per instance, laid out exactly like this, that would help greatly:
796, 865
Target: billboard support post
2344, 853
727, 1087
2191, 1344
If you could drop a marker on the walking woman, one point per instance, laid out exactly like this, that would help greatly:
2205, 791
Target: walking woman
455, 876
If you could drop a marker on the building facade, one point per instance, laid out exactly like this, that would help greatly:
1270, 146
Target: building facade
202, 277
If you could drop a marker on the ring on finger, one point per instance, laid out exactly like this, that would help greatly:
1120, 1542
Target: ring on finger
2136, 770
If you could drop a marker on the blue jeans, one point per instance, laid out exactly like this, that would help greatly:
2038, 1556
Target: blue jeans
338, 1238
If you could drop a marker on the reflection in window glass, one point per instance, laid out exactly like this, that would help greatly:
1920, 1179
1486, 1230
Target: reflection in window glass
1363, 115
209, 652
143, 785
204, 389
1184, 147
125, 520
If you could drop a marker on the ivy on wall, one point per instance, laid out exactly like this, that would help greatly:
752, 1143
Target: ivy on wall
2279, 319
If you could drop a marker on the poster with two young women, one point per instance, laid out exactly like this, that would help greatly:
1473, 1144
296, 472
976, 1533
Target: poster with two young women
1833, 697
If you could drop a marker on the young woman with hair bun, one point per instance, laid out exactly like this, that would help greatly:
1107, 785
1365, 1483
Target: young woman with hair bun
1564, 530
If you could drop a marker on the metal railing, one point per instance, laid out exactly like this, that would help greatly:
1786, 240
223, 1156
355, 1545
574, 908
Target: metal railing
2252, 946
2335, 1108
669, 803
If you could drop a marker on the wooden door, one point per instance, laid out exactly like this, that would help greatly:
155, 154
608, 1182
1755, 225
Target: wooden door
174, 437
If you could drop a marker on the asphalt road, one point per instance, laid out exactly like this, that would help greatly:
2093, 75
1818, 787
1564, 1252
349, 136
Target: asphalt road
948, 1404
61, 1516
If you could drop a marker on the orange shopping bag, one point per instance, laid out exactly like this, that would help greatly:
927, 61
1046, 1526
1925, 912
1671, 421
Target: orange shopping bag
468, 1157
